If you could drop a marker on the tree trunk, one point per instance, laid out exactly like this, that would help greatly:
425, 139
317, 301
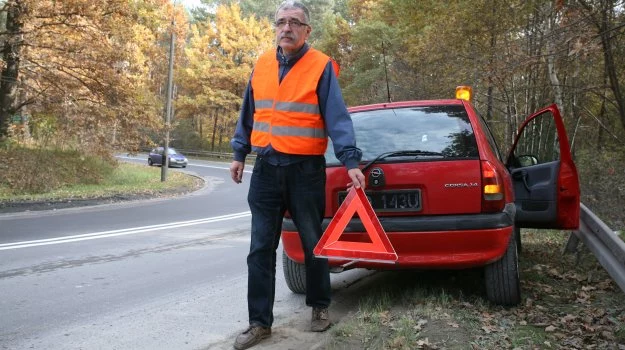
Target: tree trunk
602, 111
553, 78
603, 23
606, 42
11, 55
201, 129
490, 91
221, 135
216, 116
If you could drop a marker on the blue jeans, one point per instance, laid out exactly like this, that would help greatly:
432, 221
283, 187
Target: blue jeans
300, 189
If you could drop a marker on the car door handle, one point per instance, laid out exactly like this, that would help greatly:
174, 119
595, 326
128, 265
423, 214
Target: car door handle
522, 175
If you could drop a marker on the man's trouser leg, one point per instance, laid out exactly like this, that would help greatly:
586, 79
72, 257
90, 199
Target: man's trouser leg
306, 186
267, 207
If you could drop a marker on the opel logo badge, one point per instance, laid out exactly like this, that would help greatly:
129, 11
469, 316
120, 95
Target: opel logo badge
376, 177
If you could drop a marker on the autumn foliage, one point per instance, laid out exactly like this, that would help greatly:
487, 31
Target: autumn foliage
88, 73
92, 75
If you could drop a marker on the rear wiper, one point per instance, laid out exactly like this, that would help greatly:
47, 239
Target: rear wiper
405, 153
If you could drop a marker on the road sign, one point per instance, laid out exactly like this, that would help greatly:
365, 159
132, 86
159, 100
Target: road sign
379, 249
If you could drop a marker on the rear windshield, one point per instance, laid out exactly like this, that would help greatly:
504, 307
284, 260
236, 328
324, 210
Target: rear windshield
442, 129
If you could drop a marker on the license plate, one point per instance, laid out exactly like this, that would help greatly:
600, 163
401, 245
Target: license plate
391, 201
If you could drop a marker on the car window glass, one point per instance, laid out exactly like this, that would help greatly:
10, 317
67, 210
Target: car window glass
443, 129
538, 142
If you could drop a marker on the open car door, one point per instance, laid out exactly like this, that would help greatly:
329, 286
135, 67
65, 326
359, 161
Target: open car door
546, 186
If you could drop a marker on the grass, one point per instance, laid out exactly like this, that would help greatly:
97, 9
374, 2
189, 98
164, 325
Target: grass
52, 175
568, 302
126, 179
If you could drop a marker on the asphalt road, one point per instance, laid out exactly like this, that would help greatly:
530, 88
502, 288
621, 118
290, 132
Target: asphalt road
155, 274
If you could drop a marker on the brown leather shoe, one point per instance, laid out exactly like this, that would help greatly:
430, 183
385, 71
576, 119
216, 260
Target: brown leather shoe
320, 319
251, 336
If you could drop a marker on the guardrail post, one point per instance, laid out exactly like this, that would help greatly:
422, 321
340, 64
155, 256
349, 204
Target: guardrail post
571, 243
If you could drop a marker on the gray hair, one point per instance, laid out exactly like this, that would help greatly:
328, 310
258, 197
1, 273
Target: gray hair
290, 5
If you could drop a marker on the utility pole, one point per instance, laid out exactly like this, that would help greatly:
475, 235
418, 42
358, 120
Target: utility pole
168, 108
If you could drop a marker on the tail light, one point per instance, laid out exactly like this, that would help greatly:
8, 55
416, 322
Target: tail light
492, 189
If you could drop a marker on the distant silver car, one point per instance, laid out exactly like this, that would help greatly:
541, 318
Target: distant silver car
175, 158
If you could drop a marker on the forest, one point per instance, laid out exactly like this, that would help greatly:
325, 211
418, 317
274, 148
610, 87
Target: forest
92, 75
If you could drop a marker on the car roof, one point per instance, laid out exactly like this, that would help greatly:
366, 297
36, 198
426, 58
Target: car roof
403, 104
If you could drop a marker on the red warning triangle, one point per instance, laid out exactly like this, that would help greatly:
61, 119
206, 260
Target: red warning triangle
380, 249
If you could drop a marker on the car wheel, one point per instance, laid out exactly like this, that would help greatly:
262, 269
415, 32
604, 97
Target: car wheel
503, 285
294, 274
150, 162
517, 236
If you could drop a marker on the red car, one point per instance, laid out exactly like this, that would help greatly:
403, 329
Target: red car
443, 193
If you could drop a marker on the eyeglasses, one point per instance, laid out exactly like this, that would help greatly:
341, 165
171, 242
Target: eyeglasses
293, 23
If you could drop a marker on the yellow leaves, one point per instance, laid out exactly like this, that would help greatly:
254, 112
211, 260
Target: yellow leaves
219, 59
97, 65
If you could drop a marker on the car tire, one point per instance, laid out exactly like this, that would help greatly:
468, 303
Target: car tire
150, 163
503, 284
294, 274
517, 236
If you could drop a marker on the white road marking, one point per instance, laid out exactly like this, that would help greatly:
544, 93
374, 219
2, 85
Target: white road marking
122, 232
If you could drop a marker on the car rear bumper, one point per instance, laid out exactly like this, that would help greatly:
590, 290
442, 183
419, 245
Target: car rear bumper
450, 241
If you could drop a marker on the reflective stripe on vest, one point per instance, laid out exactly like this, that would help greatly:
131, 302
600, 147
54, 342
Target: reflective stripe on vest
290, 130
287, 113
288, 106
263, 104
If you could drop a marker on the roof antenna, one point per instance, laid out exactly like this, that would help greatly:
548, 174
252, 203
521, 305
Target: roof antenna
388, 90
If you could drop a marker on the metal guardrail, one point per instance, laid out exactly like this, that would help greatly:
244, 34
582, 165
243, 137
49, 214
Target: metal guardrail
199, 153
603, 242
209, 154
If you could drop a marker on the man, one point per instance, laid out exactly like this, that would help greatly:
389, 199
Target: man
292, 103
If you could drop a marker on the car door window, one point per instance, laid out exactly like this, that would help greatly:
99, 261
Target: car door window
546, 185
538, 142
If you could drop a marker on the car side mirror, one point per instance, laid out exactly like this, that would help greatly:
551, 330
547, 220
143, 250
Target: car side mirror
526, 160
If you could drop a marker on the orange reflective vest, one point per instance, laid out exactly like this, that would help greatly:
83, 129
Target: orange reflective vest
287, 113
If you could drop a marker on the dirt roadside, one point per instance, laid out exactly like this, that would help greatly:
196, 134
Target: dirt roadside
33, 206
568, 302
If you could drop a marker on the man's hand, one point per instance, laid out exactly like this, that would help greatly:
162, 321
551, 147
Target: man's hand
357, 177
236, 171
